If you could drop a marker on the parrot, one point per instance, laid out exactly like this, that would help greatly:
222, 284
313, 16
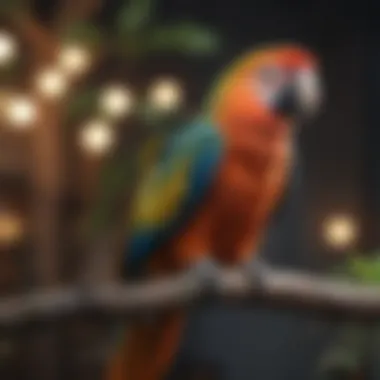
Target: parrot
213, 188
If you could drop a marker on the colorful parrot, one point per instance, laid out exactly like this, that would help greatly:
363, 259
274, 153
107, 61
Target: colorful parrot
214, 188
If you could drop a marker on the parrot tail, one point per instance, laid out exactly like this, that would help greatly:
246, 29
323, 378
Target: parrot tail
148, 349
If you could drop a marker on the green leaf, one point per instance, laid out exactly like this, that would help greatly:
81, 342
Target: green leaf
365, 269
83, 33
134, 17
82, 104
185, 38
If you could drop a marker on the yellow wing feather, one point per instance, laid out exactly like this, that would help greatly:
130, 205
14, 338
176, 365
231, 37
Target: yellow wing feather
159, 195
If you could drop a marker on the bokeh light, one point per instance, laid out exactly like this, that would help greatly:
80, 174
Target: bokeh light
11, 228
74, 60
116, 101
8, 48
96, 137
51, 83
166, 94
20, 112
340, 232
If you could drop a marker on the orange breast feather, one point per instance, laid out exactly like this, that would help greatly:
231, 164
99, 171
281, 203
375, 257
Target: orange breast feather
233, 218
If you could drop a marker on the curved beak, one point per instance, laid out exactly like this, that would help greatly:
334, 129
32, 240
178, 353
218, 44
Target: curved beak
301, 96
286, 102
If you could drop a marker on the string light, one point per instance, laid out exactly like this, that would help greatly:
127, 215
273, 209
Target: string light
8, 48
11, 228
340, 231
97, 137
51, 83
20, 112
74, 60
166, 94
116, 101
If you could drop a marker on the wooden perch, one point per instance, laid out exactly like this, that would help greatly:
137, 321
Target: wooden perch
41, 41
282, 288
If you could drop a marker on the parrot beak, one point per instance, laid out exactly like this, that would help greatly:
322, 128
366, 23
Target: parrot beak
286, 103
300, 98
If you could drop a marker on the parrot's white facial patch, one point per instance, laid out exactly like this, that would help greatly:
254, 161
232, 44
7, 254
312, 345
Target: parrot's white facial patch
268, 82
309, 90
271, 82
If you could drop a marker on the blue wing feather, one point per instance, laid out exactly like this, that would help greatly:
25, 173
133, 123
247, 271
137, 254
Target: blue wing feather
200, 146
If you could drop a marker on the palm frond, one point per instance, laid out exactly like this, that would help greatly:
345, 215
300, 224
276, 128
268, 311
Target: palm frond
135, 16
184, 38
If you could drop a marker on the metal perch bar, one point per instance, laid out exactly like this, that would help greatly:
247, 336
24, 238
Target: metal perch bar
276, 287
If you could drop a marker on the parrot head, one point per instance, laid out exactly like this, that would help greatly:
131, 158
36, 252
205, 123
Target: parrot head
272, 86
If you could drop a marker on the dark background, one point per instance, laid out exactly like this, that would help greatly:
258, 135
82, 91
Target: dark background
338, 170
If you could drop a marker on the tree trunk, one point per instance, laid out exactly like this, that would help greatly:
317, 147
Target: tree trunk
47, 172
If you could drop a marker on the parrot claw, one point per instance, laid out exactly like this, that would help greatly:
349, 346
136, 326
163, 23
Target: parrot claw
208, 271
256, 271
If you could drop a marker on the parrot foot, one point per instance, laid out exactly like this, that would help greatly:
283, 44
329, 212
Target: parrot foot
256, 271
208, 272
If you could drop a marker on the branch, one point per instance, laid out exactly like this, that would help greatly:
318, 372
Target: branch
277, 288
40, 39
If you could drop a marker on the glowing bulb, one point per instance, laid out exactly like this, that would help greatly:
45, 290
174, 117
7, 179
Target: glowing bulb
8, 48
51, 83
117, 101
20, 112
74, 60
11, 228
340, 231
97, 137
166, 94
